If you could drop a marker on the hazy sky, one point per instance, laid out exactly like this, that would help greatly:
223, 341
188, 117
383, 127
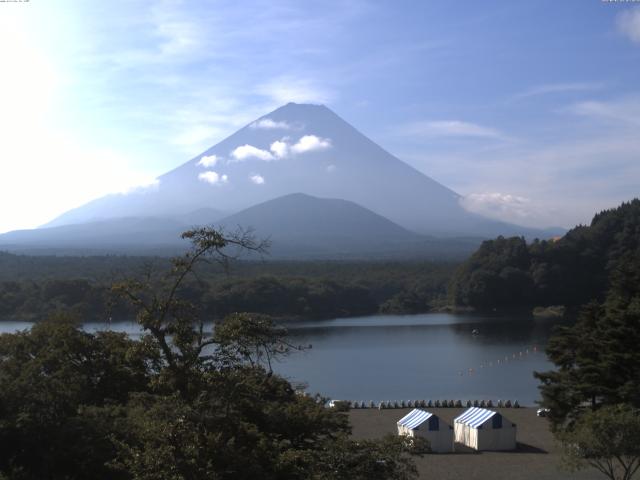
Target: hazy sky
531, 109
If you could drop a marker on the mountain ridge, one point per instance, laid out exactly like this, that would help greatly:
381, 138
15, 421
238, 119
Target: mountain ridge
298, 226
297, 149
266, 160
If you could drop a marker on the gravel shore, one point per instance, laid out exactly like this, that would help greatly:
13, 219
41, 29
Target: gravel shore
537, 456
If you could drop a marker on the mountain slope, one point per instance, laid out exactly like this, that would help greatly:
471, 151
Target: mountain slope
299, 148
297, 225
300, 225
126, 234
327, 224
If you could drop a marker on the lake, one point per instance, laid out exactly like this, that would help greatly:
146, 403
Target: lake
430, 356
410, 357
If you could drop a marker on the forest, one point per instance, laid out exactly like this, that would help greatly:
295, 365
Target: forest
571, 271
175, 404
504, 273
33, 286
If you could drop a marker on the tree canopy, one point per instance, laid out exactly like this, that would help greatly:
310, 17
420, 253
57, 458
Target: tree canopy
572, 270
594, 392
608, 439
597, 358
179, 403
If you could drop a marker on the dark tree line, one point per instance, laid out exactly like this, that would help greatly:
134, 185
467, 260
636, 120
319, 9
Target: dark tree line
309, 290
573, 270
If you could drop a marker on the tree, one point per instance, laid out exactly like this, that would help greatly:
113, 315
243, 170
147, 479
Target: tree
173, 324
217, 409
178, 404
594, 394
48, 376
608, 439
572, 271
598, 356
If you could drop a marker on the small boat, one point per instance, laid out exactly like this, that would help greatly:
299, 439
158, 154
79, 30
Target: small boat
475, 332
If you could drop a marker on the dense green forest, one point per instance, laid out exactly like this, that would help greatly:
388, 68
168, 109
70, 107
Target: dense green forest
32, 287
575, 269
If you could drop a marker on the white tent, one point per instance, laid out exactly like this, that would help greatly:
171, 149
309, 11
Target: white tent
483, 429
425, 424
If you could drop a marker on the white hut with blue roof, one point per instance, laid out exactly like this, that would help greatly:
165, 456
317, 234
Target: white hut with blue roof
420, 423
483, 429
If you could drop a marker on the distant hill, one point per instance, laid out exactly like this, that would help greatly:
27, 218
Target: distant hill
117, 235
302, 226
302, 221
201, 216
297, 225
122, 235
573, 270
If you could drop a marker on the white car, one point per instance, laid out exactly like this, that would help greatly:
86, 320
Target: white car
543, 412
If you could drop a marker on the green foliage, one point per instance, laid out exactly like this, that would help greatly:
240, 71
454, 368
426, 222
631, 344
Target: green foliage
387, 459
494, 275
594, 392
607, 439
597, 358
573, 270
47, 376
289, 290
292, 297
177, 404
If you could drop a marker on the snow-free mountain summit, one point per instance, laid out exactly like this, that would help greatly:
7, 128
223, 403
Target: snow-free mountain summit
298, 148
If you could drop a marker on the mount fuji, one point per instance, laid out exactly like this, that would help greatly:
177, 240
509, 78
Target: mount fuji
296, 149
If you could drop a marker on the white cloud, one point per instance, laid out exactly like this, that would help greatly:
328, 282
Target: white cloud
247, 151
208, 161
214, 178
280, 148
498, 205
628, 23
269, 124
310, 143
257, 179
622, 111
331, 168
141, 186
449, 128
558, 88
569, 173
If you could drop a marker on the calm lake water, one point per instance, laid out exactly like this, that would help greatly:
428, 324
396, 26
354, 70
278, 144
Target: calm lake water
410, 357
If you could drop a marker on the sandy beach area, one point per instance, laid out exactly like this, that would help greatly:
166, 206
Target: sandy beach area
537, 457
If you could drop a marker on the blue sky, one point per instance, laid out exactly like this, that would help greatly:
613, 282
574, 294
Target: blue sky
530, 109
